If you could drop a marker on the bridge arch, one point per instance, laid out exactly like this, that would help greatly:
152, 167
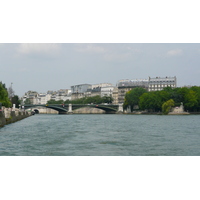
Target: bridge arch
36, 111
60, 109
106, 108
68, 108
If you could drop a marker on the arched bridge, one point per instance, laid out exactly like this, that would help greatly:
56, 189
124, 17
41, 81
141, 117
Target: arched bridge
68, 108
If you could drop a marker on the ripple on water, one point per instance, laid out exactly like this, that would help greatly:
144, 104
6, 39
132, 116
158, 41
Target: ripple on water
102, 135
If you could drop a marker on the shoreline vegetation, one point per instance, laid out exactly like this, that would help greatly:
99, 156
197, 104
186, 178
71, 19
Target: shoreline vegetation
185, 100
9, 104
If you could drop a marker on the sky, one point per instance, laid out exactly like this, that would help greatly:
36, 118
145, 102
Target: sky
53, 66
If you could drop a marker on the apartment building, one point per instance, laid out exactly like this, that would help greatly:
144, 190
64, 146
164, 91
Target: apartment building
80, 88
126, 85
115, 95
159, 83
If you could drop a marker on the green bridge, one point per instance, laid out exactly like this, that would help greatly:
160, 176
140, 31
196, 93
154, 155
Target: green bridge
68, 108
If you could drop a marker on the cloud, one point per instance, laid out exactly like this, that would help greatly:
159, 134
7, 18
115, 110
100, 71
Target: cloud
109, 52
34, 48
89, 48
175, 52
117, 56
124, 53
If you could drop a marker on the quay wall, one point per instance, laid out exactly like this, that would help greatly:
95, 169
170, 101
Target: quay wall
8, 116
87, 110
44, 110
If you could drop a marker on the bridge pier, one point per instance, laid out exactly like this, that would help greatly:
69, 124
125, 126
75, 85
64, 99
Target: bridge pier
70, 109
120, 109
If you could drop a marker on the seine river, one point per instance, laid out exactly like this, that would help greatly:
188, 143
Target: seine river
102, 135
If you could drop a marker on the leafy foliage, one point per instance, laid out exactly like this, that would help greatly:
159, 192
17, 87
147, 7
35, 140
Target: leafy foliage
167, 106
15, 100
52, 101
132, 97
27, 101
154, 100
4, 96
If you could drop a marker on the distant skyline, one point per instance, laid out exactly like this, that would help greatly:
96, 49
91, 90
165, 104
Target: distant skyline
44, 66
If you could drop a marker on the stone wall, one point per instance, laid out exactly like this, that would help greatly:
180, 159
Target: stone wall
7, 116
2, 119
45, 110
88, 110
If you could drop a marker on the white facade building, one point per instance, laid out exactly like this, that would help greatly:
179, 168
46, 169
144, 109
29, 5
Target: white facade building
107, 91
159, 83
101, 85
41, 99
80, 88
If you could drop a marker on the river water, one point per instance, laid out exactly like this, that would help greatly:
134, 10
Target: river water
102, 135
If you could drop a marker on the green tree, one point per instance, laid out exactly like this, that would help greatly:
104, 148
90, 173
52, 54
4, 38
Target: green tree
191, 100
149, 102
196, 89
182, 92
27, 101
167, 106
107, 99
52, 101
4, 96
132, 97
15, 100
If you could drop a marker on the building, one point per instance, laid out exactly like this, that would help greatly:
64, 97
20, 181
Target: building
43, 98
63, 94
159, 83
115, 95
95, 91
87, 90
126, 85
151, 84
30, 97
107, 91
80, 88
101, 85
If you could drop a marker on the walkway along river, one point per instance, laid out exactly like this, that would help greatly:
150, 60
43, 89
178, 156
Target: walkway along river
7, 116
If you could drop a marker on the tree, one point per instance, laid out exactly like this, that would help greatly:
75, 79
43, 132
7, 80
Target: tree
196, 89
52, 101
166, 107
15, 100
132, 97
4, 96
11, 92
27, 101
148, 102
191, 101
107, 99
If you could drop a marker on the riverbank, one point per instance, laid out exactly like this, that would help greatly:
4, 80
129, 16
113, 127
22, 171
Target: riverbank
7, 116
159, 113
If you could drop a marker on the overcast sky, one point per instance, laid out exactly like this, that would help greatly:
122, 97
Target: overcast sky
43, 67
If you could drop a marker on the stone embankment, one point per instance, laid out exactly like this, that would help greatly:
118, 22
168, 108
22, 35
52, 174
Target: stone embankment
88, 111
8, 115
